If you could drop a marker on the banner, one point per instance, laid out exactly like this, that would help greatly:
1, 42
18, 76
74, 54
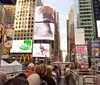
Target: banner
8, 37
81, 56
81, 49
95, 48
79, 36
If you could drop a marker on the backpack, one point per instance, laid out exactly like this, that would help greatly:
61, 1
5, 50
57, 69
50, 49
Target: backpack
43, 82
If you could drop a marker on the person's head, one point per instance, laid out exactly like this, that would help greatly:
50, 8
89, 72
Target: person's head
2, 78
22, 75
38, 70
31, 66
17, 81
49, 72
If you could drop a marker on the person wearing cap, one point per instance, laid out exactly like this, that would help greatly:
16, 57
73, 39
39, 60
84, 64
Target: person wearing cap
30, 69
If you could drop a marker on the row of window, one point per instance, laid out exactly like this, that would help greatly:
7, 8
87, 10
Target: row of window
23, 38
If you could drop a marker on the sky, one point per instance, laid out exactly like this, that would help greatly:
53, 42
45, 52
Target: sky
63, 7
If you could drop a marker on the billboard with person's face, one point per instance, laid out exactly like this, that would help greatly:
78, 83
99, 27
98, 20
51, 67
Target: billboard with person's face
44, 13
41, 50
44, 31
21, 46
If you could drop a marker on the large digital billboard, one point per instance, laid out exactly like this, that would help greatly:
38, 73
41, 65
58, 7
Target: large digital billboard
44, 13
44, 31
21, 46
95, 48
98, 27
41, 50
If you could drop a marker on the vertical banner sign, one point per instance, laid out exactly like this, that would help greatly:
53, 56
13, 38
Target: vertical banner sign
8, 37
81, 55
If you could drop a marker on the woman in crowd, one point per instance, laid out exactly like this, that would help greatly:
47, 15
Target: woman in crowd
30, 69
2, 78
97, 80
17, 81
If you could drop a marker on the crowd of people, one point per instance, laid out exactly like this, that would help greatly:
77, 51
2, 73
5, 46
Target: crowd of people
36, 75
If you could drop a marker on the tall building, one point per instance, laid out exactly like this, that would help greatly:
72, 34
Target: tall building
7, 14
86, 18
76, 12
96, 11
70, 31
24, 22
57, 37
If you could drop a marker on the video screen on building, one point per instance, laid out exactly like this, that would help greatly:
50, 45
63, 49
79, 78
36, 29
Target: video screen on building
41, 50
44, 31
44, 13
98, 27
21, 46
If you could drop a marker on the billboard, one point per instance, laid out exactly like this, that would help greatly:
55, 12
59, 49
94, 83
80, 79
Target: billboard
81, 55
79, 36
21, 46
41, 50
44, 31
95, 48
44, 13
8, 36
98, 27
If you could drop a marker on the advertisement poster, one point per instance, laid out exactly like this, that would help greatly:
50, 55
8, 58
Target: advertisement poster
44, 13
81, 55
44, 31
96, 49
21, 46
81, 58
41, 50
8, 37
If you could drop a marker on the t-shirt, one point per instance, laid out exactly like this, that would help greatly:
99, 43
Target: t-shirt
67, 69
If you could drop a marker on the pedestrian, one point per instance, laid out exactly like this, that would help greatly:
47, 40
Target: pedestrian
67, 73
30, 69
2, 78
97, 80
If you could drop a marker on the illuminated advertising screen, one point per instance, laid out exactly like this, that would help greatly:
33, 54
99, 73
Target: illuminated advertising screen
96, 49
44, 13
21, 46
98, 27
41, 50
44, 31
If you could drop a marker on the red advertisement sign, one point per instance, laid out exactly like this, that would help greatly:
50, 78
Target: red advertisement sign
81, 49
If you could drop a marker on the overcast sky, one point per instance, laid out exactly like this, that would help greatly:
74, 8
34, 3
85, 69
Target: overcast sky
63, 7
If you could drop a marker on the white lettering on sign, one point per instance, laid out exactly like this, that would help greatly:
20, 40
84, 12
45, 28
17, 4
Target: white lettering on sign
81, 49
